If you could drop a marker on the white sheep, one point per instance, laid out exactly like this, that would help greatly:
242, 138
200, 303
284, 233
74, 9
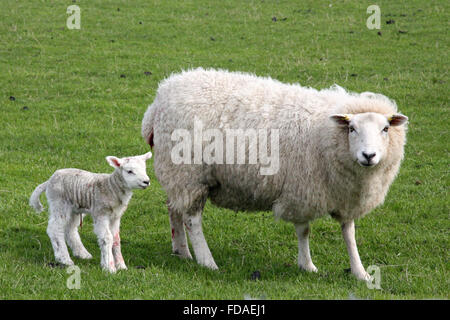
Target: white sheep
73, 192
338, 154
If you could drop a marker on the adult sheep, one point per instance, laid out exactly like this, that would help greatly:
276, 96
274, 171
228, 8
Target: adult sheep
338, 154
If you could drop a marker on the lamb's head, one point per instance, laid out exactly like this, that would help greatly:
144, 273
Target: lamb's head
132, 169
368, 134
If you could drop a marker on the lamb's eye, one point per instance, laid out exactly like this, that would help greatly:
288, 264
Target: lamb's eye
351, 129
130, 172
386, 129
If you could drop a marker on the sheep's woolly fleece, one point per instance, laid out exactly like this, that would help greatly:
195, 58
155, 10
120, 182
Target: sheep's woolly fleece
316, 175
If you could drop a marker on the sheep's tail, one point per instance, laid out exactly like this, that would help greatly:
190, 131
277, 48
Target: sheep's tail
34, 199
147, 125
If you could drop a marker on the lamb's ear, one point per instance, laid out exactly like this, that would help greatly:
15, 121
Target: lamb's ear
397, 119
147, 156
341, 119
114, 161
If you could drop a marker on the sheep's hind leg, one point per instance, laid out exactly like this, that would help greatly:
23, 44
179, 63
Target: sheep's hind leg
73, 237
193, 221
348, 232
59, 215
304, 256
202, 253
179, 241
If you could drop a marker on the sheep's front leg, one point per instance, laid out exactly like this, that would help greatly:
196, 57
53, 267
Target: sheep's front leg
194, 227
116, 250
348, 232
105, 241
304, 256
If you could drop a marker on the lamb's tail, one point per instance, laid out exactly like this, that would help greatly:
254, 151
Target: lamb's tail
34, 199
147, 124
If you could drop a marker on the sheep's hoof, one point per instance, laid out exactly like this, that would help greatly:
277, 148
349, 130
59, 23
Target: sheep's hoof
182, 254
210, 265
309, 267
213, 267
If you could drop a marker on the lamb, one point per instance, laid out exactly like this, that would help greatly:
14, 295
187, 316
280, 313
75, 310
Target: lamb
338, 154
73, 192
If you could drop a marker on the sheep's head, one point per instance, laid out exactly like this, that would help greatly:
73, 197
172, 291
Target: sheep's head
368, 134
132, 169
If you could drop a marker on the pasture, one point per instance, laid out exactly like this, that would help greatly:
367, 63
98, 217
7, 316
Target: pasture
69, 98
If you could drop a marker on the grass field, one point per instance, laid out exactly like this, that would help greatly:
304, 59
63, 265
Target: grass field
68, 98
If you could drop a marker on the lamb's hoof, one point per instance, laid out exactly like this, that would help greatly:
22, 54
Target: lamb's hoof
65, 262
109, 268
83, 255
309, 267
363, 276
55, 265
121, 266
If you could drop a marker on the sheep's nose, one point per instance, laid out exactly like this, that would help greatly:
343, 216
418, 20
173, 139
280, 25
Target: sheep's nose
147, 182
369, 156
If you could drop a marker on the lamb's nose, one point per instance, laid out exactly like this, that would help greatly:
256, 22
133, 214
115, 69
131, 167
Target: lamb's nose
369, 156
147, 182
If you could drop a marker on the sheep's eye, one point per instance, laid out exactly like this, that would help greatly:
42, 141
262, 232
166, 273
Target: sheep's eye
130, 172
351, 129
386, 129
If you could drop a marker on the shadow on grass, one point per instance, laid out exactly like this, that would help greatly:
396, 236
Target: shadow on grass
237, 261
32, 246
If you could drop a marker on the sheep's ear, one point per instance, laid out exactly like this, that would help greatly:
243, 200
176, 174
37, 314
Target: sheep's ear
341, 119
147, 156
114, 161
397, 119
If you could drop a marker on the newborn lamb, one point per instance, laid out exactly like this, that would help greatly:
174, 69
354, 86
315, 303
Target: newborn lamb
72, 192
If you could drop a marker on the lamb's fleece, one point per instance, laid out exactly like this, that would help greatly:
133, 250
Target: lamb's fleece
316, 175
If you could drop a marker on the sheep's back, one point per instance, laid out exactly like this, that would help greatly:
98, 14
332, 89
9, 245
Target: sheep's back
75, 186
222, 100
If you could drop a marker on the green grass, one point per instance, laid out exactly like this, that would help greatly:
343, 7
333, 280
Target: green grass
80, 109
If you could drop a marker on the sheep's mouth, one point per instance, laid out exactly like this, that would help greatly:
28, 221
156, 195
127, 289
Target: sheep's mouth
366, 164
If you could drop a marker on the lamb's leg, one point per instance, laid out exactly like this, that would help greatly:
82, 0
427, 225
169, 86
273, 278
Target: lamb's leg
348, 231
116, 250
179, 241
304, 256
105, 241
59, 214
194, 227
73, 237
